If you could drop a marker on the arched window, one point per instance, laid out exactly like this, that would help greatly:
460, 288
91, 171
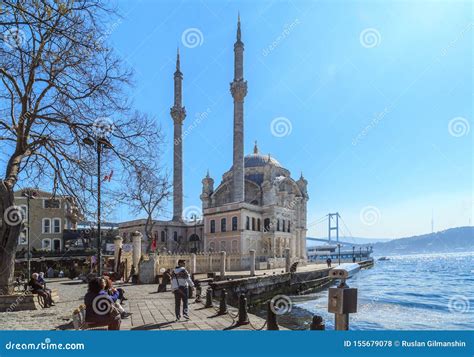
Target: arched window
56, 225
284, 226
46, 225
259, 228
223, 245
234, 224
163, 236
247, 223
212, 246
278, 225
289, 226
253, 224
223, 225
213, 226
175, 236
266, 224
235, 247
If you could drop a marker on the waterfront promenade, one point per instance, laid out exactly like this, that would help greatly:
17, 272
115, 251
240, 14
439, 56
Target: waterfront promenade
150, 311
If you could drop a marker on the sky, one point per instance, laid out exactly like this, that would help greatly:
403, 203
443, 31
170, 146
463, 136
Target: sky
372, 101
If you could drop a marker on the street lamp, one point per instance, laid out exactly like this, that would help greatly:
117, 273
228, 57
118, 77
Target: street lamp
99, 143
29, 194
339, 252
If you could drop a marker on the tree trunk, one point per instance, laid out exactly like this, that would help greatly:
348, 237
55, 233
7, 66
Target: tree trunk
9, 233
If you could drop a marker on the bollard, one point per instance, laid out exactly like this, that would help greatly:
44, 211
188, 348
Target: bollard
243, 316
208, 298
223, 303
272, 323
198, 293
317, 324
190, 292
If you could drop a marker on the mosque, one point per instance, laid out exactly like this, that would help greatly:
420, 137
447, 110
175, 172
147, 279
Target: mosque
256, 206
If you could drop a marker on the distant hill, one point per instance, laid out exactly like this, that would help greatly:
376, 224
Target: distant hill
347, 240
459, 239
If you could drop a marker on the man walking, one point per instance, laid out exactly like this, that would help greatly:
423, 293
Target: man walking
180, 283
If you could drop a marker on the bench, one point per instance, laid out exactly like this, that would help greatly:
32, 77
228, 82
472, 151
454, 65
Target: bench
24, 301
79, 321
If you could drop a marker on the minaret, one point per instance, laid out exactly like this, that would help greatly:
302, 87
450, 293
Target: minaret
178, 113
238, 88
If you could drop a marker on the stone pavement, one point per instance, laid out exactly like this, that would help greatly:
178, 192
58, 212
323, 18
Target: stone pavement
150, 311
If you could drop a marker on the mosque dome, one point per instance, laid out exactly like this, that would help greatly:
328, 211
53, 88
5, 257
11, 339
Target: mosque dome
258, 160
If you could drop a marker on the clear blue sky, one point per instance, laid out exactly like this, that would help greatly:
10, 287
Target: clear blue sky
378, 95
400, 70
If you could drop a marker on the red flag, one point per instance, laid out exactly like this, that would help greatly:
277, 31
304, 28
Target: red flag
109, 176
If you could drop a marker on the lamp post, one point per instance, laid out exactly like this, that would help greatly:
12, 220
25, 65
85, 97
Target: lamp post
29, 194
99, 143
339, 253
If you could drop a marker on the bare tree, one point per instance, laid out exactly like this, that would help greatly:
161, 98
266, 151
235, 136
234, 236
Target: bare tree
147, 191
61, 83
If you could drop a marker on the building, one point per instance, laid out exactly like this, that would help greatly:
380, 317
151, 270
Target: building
257, 205
47, 220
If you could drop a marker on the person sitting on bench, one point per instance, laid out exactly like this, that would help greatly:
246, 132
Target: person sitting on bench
37, 288
100, 308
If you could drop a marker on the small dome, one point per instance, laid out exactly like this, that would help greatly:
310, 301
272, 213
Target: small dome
258, 160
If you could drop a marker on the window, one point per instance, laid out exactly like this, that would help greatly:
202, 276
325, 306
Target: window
234, 223
46, 225
223, 225
223, 245
57, 225
284, 226
266, 224
247, 223
259, 228
56, 244
51, 203
278, 225
212, 246
213, 226
235, 247
163, 236
288, 226
46, 244
175, 236
24, 212
22, 239
253, 224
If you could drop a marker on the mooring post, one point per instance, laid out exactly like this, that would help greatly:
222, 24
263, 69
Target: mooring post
287, 260
223, 256
208, 297
243, 316
252, 262
223, 303
317, 324
272, 323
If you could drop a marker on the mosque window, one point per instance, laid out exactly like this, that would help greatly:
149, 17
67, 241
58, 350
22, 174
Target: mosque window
253, 224
223, 225
278, 225
266, 224
289, 227
175, 236
234, 223
259, 228
284, 226
163, 237
247, 223
213, 226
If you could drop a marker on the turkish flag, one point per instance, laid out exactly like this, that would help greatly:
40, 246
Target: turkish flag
153, 244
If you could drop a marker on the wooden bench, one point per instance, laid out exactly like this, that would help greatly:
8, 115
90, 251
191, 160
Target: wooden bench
79, 321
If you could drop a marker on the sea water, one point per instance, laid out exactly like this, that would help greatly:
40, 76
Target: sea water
407, 292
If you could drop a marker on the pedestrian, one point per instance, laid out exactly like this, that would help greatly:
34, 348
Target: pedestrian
328, 262
180, 284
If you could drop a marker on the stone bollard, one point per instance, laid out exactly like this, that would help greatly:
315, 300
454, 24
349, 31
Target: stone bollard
137, 250
272, 323
223, 258
243, 316
317, 324
223, 303
252, 262
208, 298
198, 293
117, 246
287, 260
